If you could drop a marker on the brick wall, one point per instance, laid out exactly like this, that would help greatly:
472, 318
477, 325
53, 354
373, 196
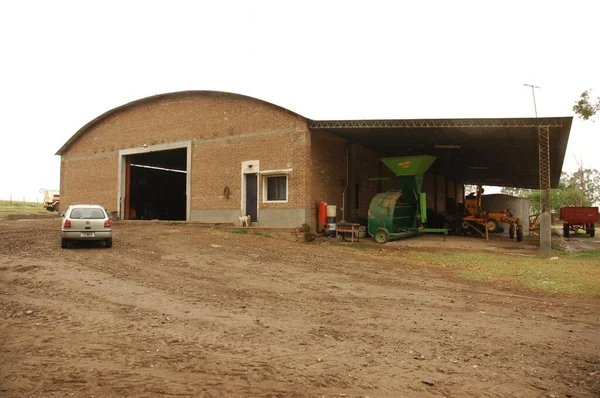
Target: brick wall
90, 180
217, 164
225, 129
328, 171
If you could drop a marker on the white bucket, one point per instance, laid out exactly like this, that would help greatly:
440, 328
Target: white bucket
362, 232
332, 230
331, 211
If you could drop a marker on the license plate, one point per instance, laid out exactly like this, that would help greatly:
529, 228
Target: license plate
87, 234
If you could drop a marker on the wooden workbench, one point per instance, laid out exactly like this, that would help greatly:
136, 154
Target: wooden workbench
348, 228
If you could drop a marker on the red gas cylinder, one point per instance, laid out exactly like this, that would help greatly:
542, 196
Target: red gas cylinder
321, 215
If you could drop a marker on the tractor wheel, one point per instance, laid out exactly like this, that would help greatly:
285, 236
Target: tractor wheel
382, 235
566, 230
492, 225
520, 233
511, 231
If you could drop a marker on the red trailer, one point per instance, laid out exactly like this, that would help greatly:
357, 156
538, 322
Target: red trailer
576, 218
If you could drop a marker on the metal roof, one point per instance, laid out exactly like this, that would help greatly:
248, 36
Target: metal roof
500, 152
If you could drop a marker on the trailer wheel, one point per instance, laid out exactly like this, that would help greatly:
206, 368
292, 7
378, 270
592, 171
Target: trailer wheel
520, 233
492, 225
511, 231
382, 235
593, 231
566, 230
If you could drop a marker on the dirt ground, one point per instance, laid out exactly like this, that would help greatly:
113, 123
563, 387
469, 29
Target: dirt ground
175, 310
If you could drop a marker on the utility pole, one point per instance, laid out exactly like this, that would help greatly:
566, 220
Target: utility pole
544, 175
533, 93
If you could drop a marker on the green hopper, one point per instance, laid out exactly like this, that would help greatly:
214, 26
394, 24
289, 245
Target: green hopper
402, 213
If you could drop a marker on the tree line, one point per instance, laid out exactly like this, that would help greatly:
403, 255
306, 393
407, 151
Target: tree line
579, 189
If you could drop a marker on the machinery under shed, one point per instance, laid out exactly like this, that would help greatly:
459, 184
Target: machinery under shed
402, 213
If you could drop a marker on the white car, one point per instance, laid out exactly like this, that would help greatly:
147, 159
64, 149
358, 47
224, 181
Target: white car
86, 222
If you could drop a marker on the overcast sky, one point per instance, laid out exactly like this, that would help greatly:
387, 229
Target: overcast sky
66, 62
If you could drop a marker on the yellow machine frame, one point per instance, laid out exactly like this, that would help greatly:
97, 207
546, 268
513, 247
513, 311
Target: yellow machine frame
483, 222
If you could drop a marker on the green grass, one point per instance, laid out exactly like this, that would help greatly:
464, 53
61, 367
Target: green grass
14, 203
240, 231
575, 273
21, 208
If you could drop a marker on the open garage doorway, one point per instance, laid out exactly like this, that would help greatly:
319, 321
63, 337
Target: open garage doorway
156, 184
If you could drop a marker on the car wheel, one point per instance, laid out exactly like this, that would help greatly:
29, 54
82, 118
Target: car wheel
108, 243
64, 243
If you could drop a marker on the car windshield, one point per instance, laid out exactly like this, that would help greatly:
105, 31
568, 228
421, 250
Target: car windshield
87, 213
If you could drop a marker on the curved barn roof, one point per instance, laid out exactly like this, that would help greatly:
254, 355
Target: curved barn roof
158, 98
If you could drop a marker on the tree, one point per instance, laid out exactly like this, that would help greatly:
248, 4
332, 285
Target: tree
585, 108
470, 189
581, 188
588, 182
519, 192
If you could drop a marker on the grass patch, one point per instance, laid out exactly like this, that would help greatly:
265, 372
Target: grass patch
8, 209
576, 273
14, 204
240, 231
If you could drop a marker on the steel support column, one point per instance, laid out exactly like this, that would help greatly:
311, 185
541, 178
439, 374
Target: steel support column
544, 171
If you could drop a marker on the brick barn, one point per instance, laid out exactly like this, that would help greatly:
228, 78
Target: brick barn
213, 156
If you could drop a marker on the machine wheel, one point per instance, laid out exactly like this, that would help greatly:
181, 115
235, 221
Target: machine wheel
465, 225
108, 243
511, 231
382, 235
64, 243
492, 225
593, 231
566, 230
520, 233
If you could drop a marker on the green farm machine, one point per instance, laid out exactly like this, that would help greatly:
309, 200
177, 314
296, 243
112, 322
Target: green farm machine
402, 213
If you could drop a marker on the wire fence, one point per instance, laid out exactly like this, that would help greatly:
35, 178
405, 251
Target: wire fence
18, 199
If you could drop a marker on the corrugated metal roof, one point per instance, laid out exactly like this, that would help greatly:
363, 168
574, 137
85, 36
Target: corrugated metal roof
500, 151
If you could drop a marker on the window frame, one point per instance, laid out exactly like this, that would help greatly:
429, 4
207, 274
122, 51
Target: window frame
266, 188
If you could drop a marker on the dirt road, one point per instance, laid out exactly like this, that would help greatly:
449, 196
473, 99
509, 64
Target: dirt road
189, 311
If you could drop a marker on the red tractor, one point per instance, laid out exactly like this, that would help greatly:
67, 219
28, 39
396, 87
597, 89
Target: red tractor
576, 218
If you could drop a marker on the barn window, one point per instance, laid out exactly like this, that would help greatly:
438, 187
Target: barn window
275, 188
